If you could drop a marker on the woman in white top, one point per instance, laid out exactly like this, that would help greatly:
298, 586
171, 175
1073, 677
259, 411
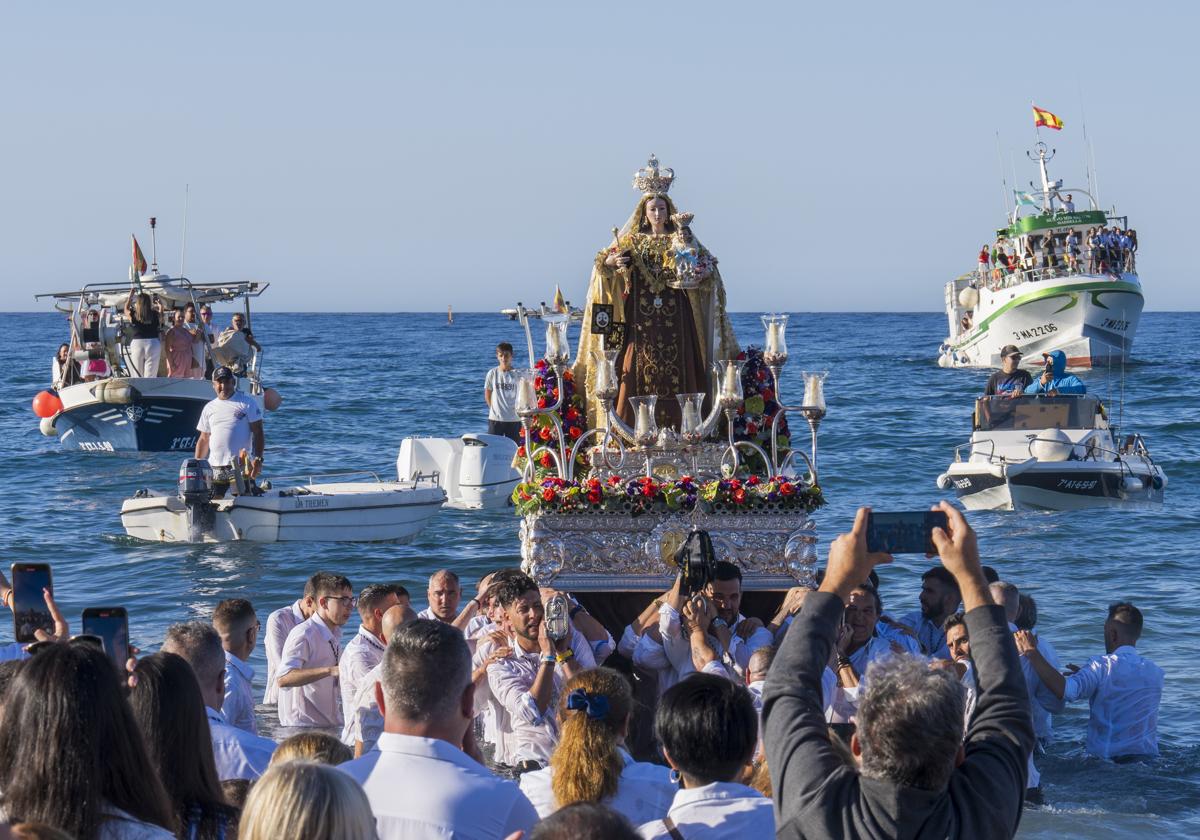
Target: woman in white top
590, 763
71, 754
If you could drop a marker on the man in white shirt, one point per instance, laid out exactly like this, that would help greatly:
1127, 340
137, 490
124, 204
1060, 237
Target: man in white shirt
364, 721
939, 600
227, 425
1123, 688
365, 650
445, 594
500, 392
527, 682
239, 754
308, 669
709, 731
279, 624
236, 621
958, 643
419, 781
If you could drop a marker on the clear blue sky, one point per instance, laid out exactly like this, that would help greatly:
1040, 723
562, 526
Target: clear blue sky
389, 156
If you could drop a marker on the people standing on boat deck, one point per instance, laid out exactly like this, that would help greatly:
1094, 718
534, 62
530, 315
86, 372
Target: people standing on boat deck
239, 754
527, 683
64, 371
984, 257
1054, 379
1072, 250
89, 339
230, 423
500, 393
939, 600
193, 326
1131, 253
208, 334
145, 347
1126, 243
365, 650
279, 625
308, 668
1011, 379
419, 780
237, 622
177, 344
232, 347
1123, 688
709, 732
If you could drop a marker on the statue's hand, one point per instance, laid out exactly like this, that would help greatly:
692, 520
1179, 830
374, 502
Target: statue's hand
617, 259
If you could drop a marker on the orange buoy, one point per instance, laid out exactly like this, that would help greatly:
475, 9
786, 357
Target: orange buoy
46, 404
271, 399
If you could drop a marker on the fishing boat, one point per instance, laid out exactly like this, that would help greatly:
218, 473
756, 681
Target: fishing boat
122, 409
1052, 286
475, 470
1051, 453
326, 508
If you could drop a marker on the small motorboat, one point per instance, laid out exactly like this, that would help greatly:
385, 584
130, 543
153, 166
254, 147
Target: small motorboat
475, 470
321, 509
1050, 453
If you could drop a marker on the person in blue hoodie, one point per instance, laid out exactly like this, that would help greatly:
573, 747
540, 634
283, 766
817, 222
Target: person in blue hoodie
1055, 380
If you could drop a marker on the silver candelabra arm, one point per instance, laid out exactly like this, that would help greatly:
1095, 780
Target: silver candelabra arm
622, 428
791, 456
607, 437
714, 414
527, 474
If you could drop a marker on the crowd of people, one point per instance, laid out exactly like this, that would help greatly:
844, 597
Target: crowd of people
181, 343
510, 711
1098, 250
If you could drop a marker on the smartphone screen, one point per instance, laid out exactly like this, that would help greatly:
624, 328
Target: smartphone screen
28, 603
908, 532
111, 624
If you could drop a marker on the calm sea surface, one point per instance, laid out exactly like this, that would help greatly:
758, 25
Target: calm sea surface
355, 385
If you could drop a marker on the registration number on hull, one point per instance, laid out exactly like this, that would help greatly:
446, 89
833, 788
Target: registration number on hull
1035, 332
96, 446
1077, 484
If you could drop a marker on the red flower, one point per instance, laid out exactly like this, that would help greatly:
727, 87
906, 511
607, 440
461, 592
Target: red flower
546, 460
735, 484
548, 494
593, 496
751, 428
545, 433
761, 376
614, 480
568, 375
542, 402
767, 394
572, 414
753, 480
539, 382
525, 497
520, 451
787, 489
739, 495
554, 393
575, 431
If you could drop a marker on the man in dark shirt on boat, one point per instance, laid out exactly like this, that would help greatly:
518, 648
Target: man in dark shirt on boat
914, 775
1010, 380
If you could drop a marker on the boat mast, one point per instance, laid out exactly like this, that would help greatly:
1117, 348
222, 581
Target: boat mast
153, 246
1046, 184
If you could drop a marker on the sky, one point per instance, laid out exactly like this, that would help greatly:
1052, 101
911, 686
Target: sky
409, 157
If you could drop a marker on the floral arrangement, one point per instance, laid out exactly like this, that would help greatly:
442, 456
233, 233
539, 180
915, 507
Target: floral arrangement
753, 420
646, 494
572, 414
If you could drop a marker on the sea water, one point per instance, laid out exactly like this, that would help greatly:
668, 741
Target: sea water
355, 385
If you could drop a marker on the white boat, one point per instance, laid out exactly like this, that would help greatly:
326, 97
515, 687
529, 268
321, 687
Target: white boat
1050, 453
321, 509
1088, 305
475, 470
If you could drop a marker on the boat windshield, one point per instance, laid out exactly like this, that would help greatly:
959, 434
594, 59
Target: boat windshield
1033, 413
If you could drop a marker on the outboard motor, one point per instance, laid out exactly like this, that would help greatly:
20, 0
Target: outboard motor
196, 491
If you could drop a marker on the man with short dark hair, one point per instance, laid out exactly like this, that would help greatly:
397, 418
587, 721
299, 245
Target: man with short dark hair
279, 623
958, 644
419, 781
500, 393
365, 650
239, 754
709, 731
237, 622
1122, 687
1011, 380
228, 425
308, 669
939, 600
915, 779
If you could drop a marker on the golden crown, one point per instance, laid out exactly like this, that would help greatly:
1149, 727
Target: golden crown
650, 180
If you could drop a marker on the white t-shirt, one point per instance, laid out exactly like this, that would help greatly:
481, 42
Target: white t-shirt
227, 423
503, 385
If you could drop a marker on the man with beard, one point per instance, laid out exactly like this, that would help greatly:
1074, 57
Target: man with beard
939, 600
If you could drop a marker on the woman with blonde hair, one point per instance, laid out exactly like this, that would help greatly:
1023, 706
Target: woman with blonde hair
590, 763
303, 799
145, 346
320, 747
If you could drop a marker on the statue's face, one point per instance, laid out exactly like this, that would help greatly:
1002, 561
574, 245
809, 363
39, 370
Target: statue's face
656, 212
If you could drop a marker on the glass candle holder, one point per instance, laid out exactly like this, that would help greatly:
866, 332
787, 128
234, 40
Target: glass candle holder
692, 418
606, 373
645, 427
526, 394
775, 350
814, 392
558, 347
731, 382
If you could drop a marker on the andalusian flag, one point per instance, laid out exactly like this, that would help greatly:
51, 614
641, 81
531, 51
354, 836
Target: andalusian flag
1045, 118
139, 262
559, 305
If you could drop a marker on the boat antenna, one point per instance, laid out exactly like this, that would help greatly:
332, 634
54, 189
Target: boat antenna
153, 245
183, 247
1003, 179
1121, 412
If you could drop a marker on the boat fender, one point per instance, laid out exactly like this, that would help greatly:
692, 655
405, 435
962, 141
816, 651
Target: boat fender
944, 360
272, 400
968, 298
46, 424
46, 404
1131, 484
1158, 482
943, 481
114, 392
1052, 445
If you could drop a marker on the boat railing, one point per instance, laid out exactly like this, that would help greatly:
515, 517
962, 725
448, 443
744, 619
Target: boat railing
991, 455
995, 279
313, 478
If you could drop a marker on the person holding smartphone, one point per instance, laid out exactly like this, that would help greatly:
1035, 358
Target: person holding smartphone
8, 597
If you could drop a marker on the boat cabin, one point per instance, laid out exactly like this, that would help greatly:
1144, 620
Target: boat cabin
1035, 413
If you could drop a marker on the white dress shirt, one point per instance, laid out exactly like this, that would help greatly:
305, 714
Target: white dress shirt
311, 644
487, 708
426, 788
650, 655
359, 656
279, 624
238, 705
679, 649
531, 734
238, 753
628, 643
717, 811
931, 636
644, 791
364, 721
1124, 690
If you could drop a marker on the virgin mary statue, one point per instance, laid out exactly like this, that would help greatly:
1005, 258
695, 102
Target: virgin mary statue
665, 289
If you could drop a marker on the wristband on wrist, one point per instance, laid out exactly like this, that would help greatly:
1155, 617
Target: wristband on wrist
475, 601
843, 662
565, 655
548, 659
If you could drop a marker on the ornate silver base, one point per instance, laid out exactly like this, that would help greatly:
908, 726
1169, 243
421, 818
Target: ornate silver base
775, 549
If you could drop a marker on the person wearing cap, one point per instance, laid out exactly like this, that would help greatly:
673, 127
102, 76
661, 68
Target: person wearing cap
230, 423
1010, 380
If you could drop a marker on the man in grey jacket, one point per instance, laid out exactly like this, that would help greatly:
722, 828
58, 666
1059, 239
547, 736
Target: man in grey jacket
915, 778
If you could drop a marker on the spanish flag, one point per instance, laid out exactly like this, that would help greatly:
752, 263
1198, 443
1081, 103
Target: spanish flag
139, 261
559, 305
1041, 117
